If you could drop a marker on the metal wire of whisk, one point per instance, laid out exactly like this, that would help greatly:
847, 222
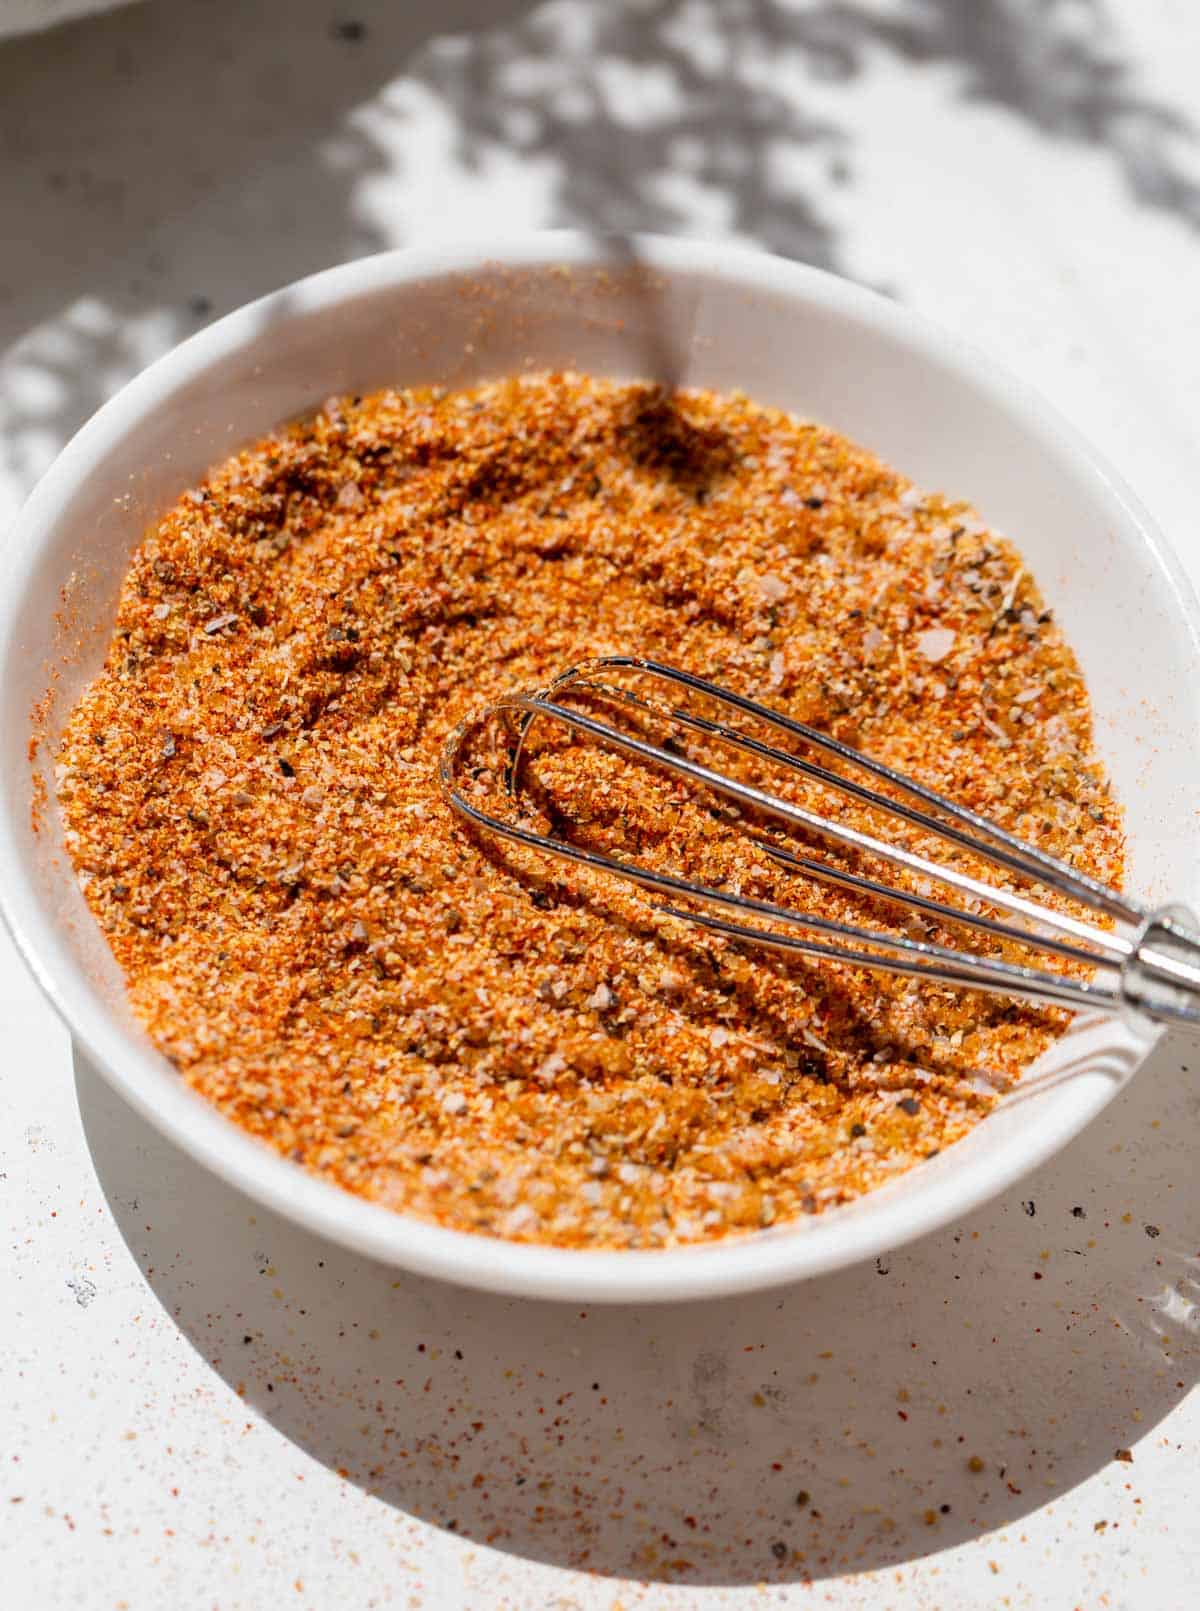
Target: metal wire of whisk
1148, 963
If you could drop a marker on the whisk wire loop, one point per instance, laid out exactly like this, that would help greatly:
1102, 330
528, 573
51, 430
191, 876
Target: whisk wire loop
1154, 970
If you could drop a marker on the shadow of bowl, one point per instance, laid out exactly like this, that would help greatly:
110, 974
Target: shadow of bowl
852, 1422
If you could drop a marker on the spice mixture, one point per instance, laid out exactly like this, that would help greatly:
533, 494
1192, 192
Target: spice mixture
250, 792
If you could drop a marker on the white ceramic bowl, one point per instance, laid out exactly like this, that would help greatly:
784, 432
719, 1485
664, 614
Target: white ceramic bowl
684, 312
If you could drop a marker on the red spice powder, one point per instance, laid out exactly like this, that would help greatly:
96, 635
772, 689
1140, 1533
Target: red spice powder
251, 801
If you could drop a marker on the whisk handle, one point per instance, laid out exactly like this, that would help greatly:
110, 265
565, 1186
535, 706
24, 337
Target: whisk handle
1162, 975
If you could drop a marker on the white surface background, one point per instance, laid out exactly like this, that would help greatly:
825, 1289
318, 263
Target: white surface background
200, 1407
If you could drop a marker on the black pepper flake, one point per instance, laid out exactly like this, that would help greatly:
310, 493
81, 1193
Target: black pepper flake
1030, 1207
909, 1105
1153, 1230
1079, 1213
857, 1130
803, 1497
247, 1339
779, 1550
814, 503
351, 31
286, 767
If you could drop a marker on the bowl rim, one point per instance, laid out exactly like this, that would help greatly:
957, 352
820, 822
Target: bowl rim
491, 1263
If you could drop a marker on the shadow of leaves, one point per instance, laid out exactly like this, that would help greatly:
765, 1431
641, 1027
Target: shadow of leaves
211, 156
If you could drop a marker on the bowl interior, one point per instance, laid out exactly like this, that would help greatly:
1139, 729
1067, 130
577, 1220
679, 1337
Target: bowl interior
786, 336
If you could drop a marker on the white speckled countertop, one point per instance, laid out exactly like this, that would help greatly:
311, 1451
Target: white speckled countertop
201, 1407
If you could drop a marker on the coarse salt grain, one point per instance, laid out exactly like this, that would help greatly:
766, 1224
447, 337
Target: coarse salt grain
935, 643
771, 587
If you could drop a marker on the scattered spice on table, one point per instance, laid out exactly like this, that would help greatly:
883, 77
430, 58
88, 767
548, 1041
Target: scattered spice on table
250, 797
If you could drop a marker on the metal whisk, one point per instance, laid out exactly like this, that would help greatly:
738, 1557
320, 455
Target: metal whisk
1148, 963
